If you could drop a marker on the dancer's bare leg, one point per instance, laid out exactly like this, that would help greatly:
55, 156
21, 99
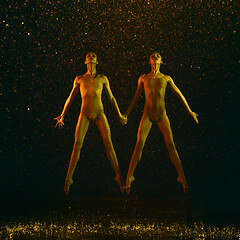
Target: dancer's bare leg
105, 132
143, 131
80, 132
165, 128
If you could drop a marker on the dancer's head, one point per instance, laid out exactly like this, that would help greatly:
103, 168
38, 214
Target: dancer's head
91, 57
155, 58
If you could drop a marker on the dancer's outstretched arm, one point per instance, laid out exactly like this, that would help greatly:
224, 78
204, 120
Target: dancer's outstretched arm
113, 101
136, 96
67, 104
176, 90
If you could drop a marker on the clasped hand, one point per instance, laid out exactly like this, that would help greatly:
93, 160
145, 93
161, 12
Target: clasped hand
123, 119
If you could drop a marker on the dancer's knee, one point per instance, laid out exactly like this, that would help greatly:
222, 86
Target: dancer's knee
139, 145
108, 144
77, 146
171, 146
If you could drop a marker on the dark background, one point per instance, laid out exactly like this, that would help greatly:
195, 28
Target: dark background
43, 48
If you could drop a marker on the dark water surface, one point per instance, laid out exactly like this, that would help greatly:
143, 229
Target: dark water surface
122, 217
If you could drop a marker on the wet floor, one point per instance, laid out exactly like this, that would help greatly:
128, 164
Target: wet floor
121, 217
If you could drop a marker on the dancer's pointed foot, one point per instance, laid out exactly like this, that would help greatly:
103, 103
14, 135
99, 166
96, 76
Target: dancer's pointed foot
118, 179
67, 185
129, 181
183, 181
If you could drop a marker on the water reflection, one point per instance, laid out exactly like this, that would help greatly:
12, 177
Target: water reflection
119, 218
151, 230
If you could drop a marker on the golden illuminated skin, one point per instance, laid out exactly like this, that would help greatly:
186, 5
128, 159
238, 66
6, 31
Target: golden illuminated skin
154, 85
90, 86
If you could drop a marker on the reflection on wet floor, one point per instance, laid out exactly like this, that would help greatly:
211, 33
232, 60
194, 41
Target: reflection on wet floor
120, 218
43, 230
115, 230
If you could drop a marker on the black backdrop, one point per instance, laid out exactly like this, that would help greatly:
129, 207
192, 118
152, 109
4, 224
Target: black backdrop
43, 48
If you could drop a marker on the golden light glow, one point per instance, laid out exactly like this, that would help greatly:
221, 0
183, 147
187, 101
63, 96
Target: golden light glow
77, 229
